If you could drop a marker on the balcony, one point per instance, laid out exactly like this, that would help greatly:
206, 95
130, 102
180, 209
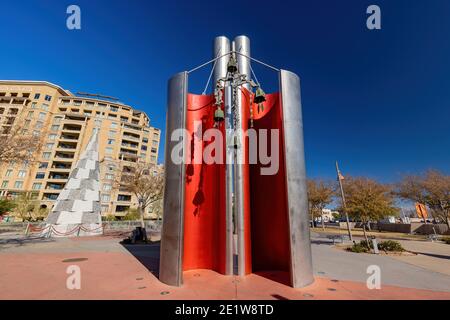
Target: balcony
67, 146
72, 127
64, 155
69, 137
131, 136
54, 186
61, 165
129, 145
58, 176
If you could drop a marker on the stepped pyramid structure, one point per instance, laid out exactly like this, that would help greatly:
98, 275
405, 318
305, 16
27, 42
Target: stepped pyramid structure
77, 210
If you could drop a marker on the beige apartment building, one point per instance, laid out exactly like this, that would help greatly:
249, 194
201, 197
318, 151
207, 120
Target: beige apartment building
65, 122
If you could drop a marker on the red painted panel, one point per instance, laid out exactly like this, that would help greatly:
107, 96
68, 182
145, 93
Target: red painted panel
204, 217
245, 111
268, 201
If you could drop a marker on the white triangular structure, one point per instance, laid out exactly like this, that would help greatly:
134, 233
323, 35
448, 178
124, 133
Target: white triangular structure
77, 211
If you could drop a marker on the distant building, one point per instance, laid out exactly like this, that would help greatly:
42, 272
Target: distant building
66, 122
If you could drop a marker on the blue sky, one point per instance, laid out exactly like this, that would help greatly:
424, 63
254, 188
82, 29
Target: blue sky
377, 101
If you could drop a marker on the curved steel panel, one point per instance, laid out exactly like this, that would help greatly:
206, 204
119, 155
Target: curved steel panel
171, 256
297, 198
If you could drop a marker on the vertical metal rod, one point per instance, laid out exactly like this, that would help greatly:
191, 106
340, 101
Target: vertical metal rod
221, 47
241, 45
343, 202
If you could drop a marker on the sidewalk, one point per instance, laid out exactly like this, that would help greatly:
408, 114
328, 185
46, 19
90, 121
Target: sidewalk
37, 270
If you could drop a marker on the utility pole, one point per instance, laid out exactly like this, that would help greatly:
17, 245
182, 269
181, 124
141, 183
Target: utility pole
344, 207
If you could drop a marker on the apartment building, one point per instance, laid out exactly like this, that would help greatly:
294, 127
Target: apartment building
65, 122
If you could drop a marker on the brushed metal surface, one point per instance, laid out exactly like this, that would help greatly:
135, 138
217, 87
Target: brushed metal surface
241, 44
171, 256
300, 244
222, 46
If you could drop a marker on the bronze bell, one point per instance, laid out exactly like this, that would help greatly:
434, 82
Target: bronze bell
219, 115
260, 96
232, 65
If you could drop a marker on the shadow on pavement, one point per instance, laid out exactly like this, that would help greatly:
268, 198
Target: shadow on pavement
147, 255
23, 241
439, 256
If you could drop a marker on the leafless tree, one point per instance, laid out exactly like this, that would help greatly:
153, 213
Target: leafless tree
431, 189
18, 145
145, 183
320, 194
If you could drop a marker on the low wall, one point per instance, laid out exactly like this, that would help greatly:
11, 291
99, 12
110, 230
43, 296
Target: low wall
415, 227
150, 225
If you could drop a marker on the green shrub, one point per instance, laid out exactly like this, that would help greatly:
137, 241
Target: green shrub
358, 248
446, 240
365, 244
390, 245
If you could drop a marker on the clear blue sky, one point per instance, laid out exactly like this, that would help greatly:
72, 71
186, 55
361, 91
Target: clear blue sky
377, 101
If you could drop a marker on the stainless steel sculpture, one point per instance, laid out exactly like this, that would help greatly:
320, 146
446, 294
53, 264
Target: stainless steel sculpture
171, 262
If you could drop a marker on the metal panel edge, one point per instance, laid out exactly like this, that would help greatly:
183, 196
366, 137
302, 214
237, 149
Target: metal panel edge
172, 233
297, 198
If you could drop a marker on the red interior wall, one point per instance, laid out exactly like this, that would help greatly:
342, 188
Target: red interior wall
268, 202
204, 217
245, 111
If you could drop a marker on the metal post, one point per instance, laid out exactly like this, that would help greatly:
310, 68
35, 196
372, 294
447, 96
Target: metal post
221, 47
241, 44
344, 207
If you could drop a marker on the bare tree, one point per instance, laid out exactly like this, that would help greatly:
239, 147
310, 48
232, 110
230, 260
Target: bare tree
320, 194
368, 200
431, 189
18, 145
145, 184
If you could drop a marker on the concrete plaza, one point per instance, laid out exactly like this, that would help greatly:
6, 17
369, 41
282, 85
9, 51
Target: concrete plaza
34, 268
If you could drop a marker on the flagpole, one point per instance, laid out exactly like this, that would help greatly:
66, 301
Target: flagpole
344, 207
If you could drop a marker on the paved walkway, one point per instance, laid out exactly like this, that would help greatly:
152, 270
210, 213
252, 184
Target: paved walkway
36, 269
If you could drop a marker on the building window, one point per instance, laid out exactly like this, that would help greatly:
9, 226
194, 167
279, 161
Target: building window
43, 165
108, 150
30, 114
39, 125
144, 148
45, 106
145, 140
21, 174
111, 141
8, 173
40, 175
57, 120
105, 208
27, 124
109, 176
46, 155
112, 133
54, 127
48, 98
37, 96
154, 143
18, 184
153, 158
106, 197
52, 136
37, 186
5, 184
42, 115
49, 146
114, 109
107, 187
